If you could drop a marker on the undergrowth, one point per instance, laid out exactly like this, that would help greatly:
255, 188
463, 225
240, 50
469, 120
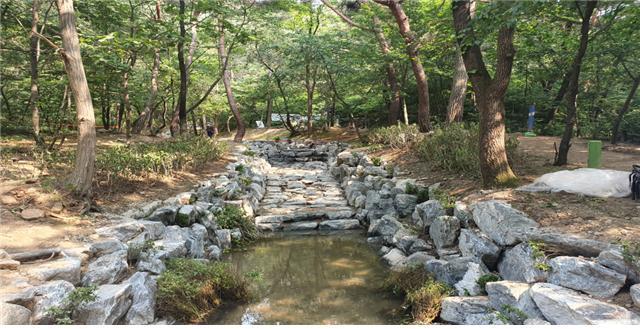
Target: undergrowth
232, 217
397, 136
63, 314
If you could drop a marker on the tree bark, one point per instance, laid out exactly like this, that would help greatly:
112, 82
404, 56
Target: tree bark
494, 164
572, 89
226, 79
422, 84
269, 110
392, 77
455, 107
35, 56
84, 169
180, 113
623, 110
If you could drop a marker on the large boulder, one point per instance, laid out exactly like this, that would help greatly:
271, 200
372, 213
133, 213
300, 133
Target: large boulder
469, 310
444, 231
634, 291
173, 243
476, 244
586, 276
564, 306
503, 224
106, 246
405, 204
110, 306
224, 238
164, 215
521, 264
109, 268
418, 258
124, 231
509, 296
569, 244
394, 258
385, 226
143, 302
155, 230
64, 268
461, 210
186, 215
469, 286
12, 314
615, 260
196, 240
340, 224
450, 272
425, 213
46, 296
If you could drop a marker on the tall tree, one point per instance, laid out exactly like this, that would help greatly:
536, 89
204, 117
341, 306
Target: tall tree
82, 176
395, 6
35, 56
574, 79
180, 112
455, 107
226, 80
310, 69
615, 131
489, 91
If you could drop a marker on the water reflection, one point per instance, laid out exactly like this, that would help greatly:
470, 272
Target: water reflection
332, 279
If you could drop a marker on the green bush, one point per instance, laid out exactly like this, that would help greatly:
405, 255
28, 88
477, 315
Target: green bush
232, 217
189, 290
422, 294
486, 278
630, 126
455, 149
397, 136
159, 158
62, 314
421, 192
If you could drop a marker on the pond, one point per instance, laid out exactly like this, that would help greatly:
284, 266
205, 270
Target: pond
316, 279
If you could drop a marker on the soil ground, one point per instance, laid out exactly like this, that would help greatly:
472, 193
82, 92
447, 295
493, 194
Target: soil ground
26, 183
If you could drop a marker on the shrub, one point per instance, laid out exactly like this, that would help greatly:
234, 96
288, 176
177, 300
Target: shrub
377, 161
189, 290
484, 279
455, 149
631, 253
422, 294
421, 192
397, 136
232, 217
160, 158
630, 126
249, 153
62, 314
240, 169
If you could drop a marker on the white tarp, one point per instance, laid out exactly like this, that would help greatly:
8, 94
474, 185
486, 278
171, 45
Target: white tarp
587, 181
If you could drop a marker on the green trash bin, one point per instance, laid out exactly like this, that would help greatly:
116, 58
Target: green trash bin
595, 154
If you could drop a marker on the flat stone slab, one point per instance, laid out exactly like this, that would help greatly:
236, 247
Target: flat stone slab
340, 224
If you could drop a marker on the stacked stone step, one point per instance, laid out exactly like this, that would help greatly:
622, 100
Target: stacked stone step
302, 196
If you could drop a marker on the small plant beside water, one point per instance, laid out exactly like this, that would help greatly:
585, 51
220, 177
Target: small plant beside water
63, 314
538, 255
190, 290
422, 294
510, 313
232, 217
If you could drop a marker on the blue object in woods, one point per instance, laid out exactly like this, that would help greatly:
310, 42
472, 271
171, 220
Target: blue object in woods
531, 119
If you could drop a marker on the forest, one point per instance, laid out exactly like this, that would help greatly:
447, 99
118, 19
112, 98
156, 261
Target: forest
174, 68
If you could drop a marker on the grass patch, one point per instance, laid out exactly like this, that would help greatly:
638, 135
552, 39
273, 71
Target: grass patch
422, 294
486, 278
190, 290
397, 136
232, 217
63, 314
631, 253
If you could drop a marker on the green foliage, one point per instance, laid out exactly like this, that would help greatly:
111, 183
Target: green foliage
423, 295
63, 314
630, 126
249, 153
421, 192
135, 249
397, 136
539, 256
455, 149
245, 181
189, 290
232, 217
485, 278
377, 161
240, 169
160, 158
631, 253
513, 314
448, 201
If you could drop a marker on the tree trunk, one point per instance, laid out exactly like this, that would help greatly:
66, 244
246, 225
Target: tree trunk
83, 172
35, 56
125, 96
416, 65
180, 113
405, 112
392, 78
455, 107
623, 110
269, 110
572, 89
494, 164
226, 79
551, 114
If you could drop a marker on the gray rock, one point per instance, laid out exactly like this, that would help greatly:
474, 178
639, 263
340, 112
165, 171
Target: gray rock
478, 245
149, 262
186, 198
449, 272
12, 314
634, 291
469, 286
196, 240
418, 258
385, 226
405, 204
444, 231
468, 310
383, 250
418, 245
394, 258
586, 276
569, 244
109, 268
613, 259
519, 264
535, 322
503, 224
462, 212
106, 246
301, 226
155, 230
48, 295
64, 268
404, 239
375, 241
340, 224
186, 215
224, 238
165, 215
425, 213
507, 295
173, 243
124, 231
564, 306
110, 306
143, 301
214, 253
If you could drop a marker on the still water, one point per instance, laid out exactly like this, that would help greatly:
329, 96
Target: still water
318, 279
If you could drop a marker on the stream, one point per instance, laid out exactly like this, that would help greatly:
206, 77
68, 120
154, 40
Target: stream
311, 279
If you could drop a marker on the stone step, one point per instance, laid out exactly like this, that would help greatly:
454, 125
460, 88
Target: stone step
296, 214
325, 225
